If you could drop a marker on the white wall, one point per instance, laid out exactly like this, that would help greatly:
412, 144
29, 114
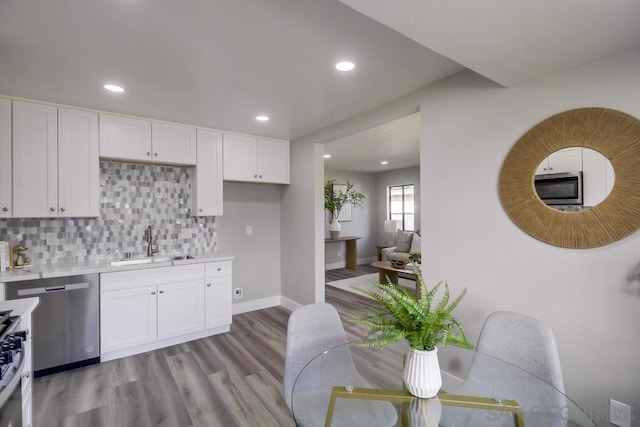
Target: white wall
386, 179
468, 127
256, 262
362, 223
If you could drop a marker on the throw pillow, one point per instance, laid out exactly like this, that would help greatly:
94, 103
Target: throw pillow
416, 243
404, 241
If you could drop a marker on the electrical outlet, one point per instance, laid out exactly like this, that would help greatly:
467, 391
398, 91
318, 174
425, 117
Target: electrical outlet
249, 230
619, 413
238, 293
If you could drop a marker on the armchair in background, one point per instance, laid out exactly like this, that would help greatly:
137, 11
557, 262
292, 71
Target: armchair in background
407, 242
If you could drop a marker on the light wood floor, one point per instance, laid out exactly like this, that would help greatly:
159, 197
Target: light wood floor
232, 379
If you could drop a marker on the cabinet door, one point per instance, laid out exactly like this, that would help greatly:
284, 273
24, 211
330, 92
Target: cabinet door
127, 318
217, 301
180, 308
240, 157
273, 161
35, 160
5, 159
565, 160
207, 180
125, 138
173, 144
78, 163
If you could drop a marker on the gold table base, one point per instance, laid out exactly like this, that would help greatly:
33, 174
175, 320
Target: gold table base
403, 396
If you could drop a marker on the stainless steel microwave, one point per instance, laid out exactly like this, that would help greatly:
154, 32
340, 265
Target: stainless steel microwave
560, 188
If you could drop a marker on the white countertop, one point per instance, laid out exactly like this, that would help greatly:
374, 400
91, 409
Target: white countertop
20, 307
61, 270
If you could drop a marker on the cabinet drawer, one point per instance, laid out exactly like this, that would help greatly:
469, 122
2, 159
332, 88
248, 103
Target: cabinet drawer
218, 268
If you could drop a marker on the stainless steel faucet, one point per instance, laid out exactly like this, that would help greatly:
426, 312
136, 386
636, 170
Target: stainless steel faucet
148, 237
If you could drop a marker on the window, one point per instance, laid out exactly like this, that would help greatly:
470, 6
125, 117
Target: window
401, 204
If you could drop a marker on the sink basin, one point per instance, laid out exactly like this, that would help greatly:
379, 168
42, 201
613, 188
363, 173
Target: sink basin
150, 260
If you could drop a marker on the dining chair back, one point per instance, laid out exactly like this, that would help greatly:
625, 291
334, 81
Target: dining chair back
313, 329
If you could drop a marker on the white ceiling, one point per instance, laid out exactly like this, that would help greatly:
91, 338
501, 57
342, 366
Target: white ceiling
220, 63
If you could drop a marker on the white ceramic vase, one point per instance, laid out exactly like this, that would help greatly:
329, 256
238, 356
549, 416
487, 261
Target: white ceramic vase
334, 228
421, 374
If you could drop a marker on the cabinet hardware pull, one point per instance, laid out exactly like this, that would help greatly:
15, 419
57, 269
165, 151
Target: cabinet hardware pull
52, 209
62, 209
153, 292
155, 154
162, 292
208, 284
219, 268
148, 153
5, 209
255, 176
200, 210
260, 176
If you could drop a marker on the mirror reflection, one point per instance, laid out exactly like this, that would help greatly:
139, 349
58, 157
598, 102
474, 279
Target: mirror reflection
574, 179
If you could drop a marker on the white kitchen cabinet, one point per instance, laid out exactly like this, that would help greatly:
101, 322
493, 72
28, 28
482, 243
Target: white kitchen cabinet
6, 180
150, 308
55, 162
125, 138
35, 160
180, 308
598, 177
207, 179
78, 164
138, 140
565, 160
173, 144
251, 159
127, 318
218, 285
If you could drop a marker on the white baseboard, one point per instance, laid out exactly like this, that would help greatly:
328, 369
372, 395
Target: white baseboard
343, 264
258, 304
290, 304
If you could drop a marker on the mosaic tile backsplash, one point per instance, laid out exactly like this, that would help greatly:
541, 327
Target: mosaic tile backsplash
132, 197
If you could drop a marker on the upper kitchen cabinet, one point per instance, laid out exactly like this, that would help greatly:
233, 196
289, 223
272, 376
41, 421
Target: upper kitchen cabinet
173, 144
565, 160
124, 138
207, 179
6, 208
55, 162
137, 140
251, 159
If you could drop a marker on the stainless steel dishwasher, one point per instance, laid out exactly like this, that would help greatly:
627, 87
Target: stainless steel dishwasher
66, 324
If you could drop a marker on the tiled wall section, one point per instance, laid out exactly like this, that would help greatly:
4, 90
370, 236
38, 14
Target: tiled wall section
132, 196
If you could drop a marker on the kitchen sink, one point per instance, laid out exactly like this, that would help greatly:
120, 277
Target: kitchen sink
152, 260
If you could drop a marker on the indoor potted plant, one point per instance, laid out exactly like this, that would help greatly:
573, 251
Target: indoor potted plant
425, 323
335, 199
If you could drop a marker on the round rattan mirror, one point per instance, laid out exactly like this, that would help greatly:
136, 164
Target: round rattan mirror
614, 134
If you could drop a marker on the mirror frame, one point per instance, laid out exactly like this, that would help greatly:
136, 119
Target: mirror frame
616, 135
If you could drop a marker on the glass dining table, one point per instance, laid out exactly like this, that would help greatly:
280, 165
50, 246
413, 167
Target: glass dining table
351, 385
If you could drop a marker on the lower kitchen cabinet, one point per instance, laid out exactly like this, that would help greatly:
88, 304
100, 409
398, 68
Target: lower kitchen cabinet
147, 309
127, 318
180, 308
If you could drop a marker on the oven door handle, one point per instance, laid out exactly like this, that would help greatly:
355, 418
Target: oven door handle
14, 383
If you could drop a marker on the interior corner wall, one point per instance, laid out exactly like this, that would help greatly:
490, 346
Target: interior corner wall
468, 126
383, 181
256, 257
362, 223
302, 226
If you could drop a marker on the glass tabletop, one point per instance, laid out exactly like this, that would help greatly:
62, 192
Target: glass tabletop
363, 386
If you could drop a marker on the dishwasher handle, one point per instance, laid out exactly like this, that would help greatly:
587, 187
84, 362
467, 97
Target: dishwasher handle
50, 289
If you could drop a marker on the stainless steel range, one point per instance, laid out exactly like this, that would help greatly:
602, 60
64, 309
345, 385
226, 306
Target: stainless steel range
11, 359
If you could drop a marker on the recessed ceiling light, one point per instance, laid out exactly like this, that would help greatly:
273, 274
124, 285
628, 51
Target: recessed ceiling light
345, 66
327, 156
113, 88
262, 118
384, 162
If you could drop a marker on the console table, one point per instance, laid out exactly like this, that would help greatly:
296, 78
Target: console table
351, 249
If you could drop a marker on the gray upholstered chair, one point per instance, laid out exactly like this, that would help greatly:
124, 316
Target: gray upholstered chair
313, 329
529, 347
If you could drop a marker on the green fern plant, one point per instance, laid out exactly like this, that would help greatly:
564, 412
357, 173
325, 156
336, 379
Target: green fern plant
423, 322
